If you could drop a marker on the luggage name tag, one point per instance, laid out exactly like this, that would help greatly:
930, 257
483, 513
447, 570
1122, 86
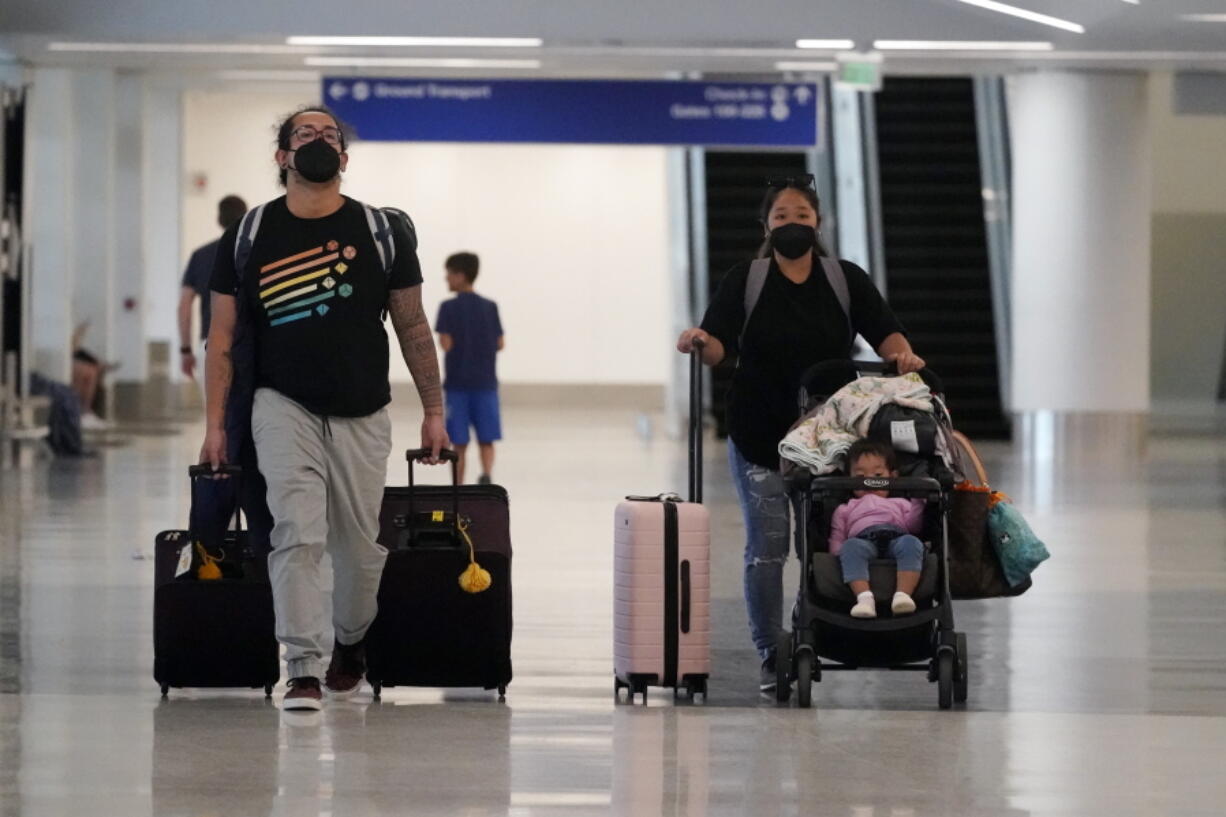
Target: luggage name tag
902, 435
185, 560
429, 530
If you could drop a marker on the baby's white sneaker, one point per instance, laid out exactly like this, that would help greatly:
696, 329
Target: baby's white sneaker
902, 604
866, 606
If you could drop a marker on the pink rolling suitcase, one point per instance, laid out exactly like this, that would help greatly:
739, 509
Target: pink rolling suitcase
662, 592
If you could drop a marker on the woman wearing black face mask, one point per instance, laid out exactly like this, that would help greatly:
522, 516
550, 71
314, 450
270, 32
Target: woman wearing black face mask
796, 321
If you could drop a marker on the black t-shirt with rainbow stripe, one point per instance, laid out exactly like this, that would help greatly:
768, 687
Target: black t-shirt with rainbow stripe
316, 289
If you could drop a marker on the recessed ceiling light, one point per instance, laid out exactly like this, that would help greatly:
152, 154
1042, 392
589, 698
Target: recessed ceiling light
447, 42
174, 48
806, 66
1122, 57
827, 45
1025, 14
418, 62
1203, 18
959, 45
271, 75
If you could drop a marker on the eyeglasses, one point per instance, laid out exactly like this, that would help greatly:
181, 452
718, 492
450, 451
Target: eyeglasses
804, 180
309, 133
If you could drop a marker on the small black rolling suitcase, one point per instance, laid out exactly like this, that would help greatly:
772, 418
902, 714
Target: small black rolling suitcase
429, 631
213, 632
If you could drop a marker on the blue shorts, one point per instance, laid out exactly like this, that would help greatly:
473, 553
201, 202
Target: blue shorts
473, 407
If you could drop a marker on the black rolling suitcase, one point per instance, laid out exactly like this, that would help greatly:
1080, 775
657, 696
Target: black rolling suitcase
429, 631
216, 632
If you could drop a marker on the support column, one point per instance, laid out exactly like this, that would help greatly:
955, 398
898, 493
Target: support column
92, 206
162, 185
1081, 259
162, 140
48, 219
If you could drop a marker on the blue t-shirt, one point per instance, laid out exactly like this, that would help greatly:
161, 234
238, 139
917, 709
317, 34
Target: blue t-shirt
196, 276
472, 322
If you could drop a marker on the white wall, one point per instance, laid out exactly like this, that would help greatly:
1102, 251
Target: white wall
1185, 149
127, 306
574, 240
1189, 228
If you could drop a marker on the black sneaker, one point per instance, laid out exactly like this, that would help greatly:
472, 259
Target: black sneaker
303, 695
768, 679
345, 670
484, 479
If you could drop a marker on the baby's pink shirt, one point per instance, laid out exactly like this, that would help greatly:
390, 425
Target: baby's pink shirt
863, 512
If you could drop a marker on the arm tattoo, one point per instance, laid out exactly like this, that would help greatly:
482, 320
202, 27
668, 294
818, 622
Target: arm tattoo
417, 345
227, 377
218, 377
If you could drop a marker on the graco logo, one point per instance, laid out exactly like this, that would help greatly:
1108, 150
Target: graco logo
873, 482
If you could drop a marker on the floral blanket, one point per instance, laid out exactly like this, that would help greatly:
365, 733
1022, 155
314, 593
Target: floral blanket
822, 437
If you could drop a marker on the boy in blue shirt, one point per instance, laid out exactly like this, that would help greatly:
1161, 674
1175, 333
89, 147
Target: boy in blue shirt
471, 336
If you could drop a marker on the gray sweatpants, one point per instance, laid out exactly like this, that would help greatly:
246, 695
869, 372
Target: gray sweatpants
325, 484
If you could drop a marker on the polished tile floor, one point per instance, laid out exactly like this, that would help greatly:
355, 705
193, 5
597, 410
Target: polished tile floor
1100, 692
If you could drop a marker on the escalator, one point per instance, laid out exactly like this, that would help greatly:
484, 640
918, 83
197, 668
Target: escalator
935, 240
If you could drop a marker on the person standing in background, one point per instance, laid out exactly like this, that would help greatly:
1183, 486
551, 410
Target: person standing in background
470, 333
196, 284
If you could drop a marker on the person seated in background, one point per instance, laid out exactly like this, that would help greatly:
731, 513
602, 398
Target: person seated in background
87, 382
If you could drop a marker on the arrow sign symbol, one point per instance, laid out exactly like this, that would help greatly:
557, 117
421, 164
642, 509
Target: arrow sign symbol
337, 90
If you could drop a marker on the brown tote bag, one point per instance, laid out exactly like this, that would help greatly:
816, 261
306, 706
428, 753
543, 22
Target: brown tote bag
974, 568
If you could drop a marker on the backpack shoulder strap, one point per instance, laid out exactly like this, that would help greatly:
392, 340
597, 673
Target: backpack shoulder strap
838, 282
245, 238
381, 232
396, 216
380, 220
758, 270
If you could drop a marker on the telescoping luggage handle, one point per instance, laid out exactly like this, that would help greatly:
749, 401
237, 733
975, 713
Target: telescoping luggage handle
446, 455
225, 470
696, 421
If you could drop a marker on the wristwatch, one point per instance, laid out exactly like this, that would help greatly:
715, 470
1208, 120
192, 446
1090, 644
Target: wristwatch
185, 350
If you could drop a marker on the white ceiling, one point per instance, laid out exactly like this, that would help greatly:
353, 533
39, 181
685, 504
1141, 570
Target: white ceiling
631, 38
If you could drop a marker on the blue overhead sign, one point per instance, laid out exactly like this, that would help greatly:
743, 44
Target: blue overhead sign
758, 114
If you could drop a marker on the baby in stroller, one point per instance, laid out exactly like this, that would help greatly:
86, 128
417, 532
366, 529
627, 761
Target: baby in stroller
879, 526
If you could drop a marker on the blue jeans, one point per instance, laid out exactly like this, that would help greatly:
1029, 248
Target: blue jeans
764, 504
880, 541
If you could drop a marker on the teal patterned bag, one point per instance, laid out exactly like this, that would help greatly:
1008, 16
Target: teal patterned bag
1020, 551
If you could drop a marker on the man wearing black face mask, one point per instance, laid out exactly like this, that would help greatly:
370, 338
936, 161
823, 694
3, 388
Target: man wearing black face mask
808, 308
309, 279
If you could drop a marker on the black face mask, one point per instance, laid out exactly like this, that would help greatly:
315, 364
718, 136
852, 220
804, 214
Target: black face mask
793, 240
317, 161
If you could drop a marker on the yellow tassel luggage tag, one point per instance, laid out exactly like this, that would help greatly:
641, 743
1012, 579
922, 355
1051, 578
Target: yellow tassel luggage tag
474, 579
208, 569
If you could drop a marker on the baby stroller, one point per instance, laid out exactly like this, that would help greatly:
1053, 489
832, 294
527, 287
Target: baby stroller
824, 635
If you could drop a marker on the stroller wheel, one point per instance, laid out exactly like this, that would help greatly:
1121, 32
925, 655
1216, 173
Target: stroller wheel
962, 683
945, 679
783, 667
804, 679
